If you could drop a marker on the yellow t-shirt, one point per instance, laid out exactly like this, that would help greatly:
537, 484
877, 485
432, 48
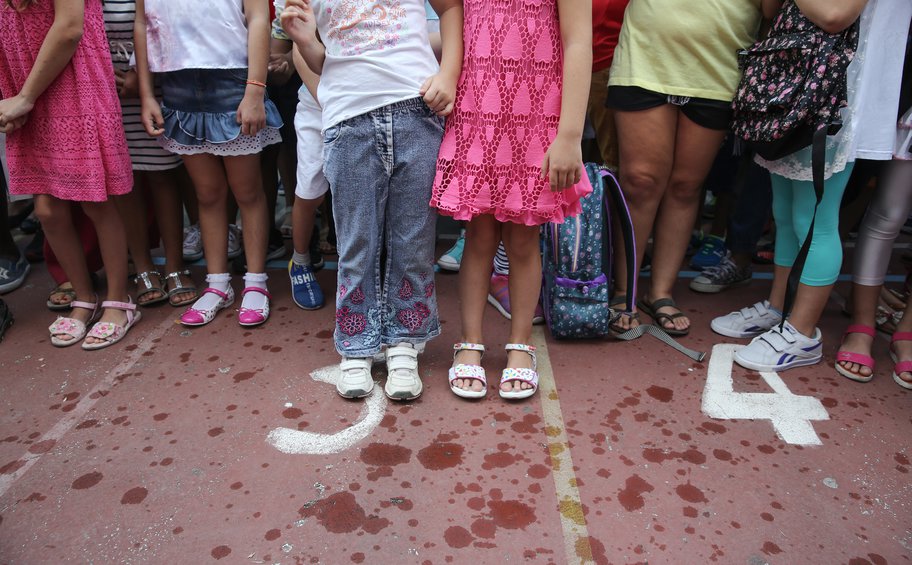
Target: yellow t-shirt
685, 48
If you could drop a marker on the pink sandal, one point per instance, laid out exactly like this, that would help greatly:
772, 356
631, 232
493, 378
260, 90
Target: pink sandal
857, 358
71, 326
512, 374
470, 372
195, 317
110, 332
901, 366
254, 316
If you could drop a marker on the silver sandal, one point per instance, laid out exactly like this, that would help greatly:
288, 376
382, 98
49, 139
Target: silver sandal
180, 288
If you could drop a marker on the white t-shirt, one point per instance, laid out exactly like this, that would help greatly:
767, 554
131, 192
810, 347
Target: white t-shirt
874, 76
190, 34
377, 53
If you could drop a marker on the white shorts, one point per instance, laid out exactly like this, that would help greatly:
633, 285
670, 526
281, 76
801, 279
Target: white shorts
311, 184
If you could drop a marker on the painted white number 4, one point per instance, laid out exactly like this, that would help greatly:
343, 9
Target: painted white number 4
791, 415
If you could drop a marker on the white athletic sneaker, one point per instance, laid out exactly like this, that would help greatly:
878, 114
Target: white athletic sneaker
781, 349
234, 241
193, 243
747, 322
403, 381
355, 379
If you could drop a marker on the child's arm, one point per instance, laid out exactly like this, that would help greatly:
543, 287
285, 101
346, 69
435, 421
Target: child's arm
251, 112
563, 162
832, 16
151, 111
310, 79
55, 54
439, 91
300, 24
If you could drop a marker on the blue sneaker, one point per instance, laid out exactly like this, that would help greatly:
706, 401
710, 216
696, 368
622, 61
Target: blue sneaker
305, 290
710, 254
451, 260
13, 273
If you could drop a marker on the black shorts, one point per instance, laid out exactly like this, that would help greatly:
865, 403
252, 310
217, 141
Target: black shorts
285, 97
710, 114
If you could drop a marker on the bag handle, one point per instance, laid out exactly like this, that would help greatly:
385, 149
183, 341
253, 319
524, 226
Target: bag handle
620, 204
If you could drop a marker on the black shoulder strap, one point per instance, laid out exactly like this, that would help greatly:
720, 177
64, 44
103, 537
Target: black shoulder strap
613, 189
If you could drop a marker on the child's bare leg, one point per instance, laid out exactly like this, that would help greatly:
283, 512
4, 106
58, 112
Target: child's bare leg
524, 250
247, 186
57, 221
132, 209
166, 199
113, 245
303, 218
208, 176
482, 238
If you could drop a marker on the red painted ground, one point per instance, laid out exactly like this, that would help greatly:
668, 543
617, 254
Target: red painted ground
156, 453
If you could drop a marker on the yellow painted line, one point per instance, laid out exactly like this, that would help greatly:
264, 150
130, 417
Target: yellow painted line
573, 522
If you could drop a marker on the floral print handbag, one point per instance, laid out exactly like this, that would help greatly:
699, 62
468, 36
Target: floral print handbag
793, 84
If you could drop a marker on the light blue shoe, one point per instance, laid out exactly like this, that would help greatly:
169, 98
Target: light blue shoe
451, 260
305, 290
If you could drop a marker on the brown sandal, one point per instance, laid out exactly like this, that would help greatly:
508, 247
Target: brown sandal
69, 294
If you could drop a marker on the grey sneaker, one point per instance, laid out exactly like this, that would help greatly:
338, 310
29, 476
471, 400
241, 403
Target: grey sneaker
234, 241
13, 273
747, 322
355, 378
402, 381
724, 275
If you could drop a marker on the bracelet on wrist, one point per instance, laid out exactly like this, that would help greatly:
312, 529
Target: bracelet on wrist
257, 83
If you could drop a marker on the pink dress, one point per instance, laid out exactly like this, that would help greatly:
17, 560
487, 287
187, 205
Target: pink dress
73, 146
506, 115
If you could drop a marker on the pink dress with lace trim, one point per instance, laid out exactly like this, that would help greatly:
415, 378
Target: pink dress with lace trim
506, 116
73, 146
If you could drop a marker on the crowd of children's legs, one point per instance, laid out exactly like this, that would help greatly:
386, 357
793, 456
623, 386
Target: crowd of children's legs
412, 147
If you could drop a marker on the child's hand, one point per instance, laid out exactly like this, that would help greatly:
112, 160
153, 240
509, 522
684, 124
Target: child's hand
299, 22
439, 92
152, 117
14, 113
251, 113
127, 83
279, 69
563, 163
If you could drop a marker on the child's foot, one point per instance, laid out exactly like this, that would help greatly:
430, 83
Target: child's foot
67, 330
626, 320
520, 379
467, 376
403, 381
116, 320
901, 352
355, 378
452, 258
853, 360
305, 290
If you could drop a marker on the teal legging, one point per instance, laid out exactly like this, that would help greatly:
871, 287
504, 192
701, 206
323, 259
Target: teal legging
793, 205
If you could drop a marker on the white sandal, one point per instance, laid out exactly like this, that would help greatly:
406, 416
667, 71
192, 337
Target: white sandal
470, 372
110, 332
511, 374
71, 326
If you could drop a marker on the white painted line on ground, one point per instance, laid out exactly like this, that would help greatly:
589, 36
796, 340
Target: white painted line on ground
292, 441
790, 414
573, 521
65, 424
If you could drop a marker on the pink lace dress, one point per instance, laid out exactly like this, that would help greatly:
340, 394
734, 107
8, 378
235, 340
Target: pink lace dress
507, 112
73, 145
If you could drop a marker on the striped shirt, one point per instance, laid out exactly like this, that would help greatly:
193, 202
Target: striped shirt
145, 152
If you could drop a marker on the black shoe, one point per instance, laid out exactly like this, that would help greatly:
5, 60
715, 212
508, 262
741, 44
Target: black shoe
29, 225
6, 318
34, 251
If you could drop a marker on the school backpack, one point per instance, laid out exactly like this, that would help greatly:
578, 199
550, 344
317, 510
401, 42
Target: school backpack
792, 89
577, 264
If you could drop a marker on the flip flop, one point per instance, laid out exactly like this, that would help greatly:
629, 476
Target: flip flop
69, 293
621, 300
660, 318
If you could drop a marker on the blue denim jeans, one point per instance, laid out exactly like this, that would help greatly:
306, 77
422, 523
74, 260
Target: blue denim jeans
380, 166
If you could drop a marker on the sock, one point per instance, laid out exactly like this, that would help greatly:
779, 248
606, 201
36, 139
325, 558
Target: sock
218, 281
300, 258
255, 300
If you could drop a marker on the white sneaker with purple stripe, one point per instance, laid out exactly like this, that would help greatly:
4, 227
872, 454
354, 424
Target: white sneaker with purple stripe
747, 322
781, 348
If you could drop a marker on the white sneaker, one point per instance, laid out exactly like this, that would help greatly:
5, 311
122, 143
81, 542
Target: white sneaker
193, 243
234, 241
355, 378
781, 349
402, 381
747, 322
